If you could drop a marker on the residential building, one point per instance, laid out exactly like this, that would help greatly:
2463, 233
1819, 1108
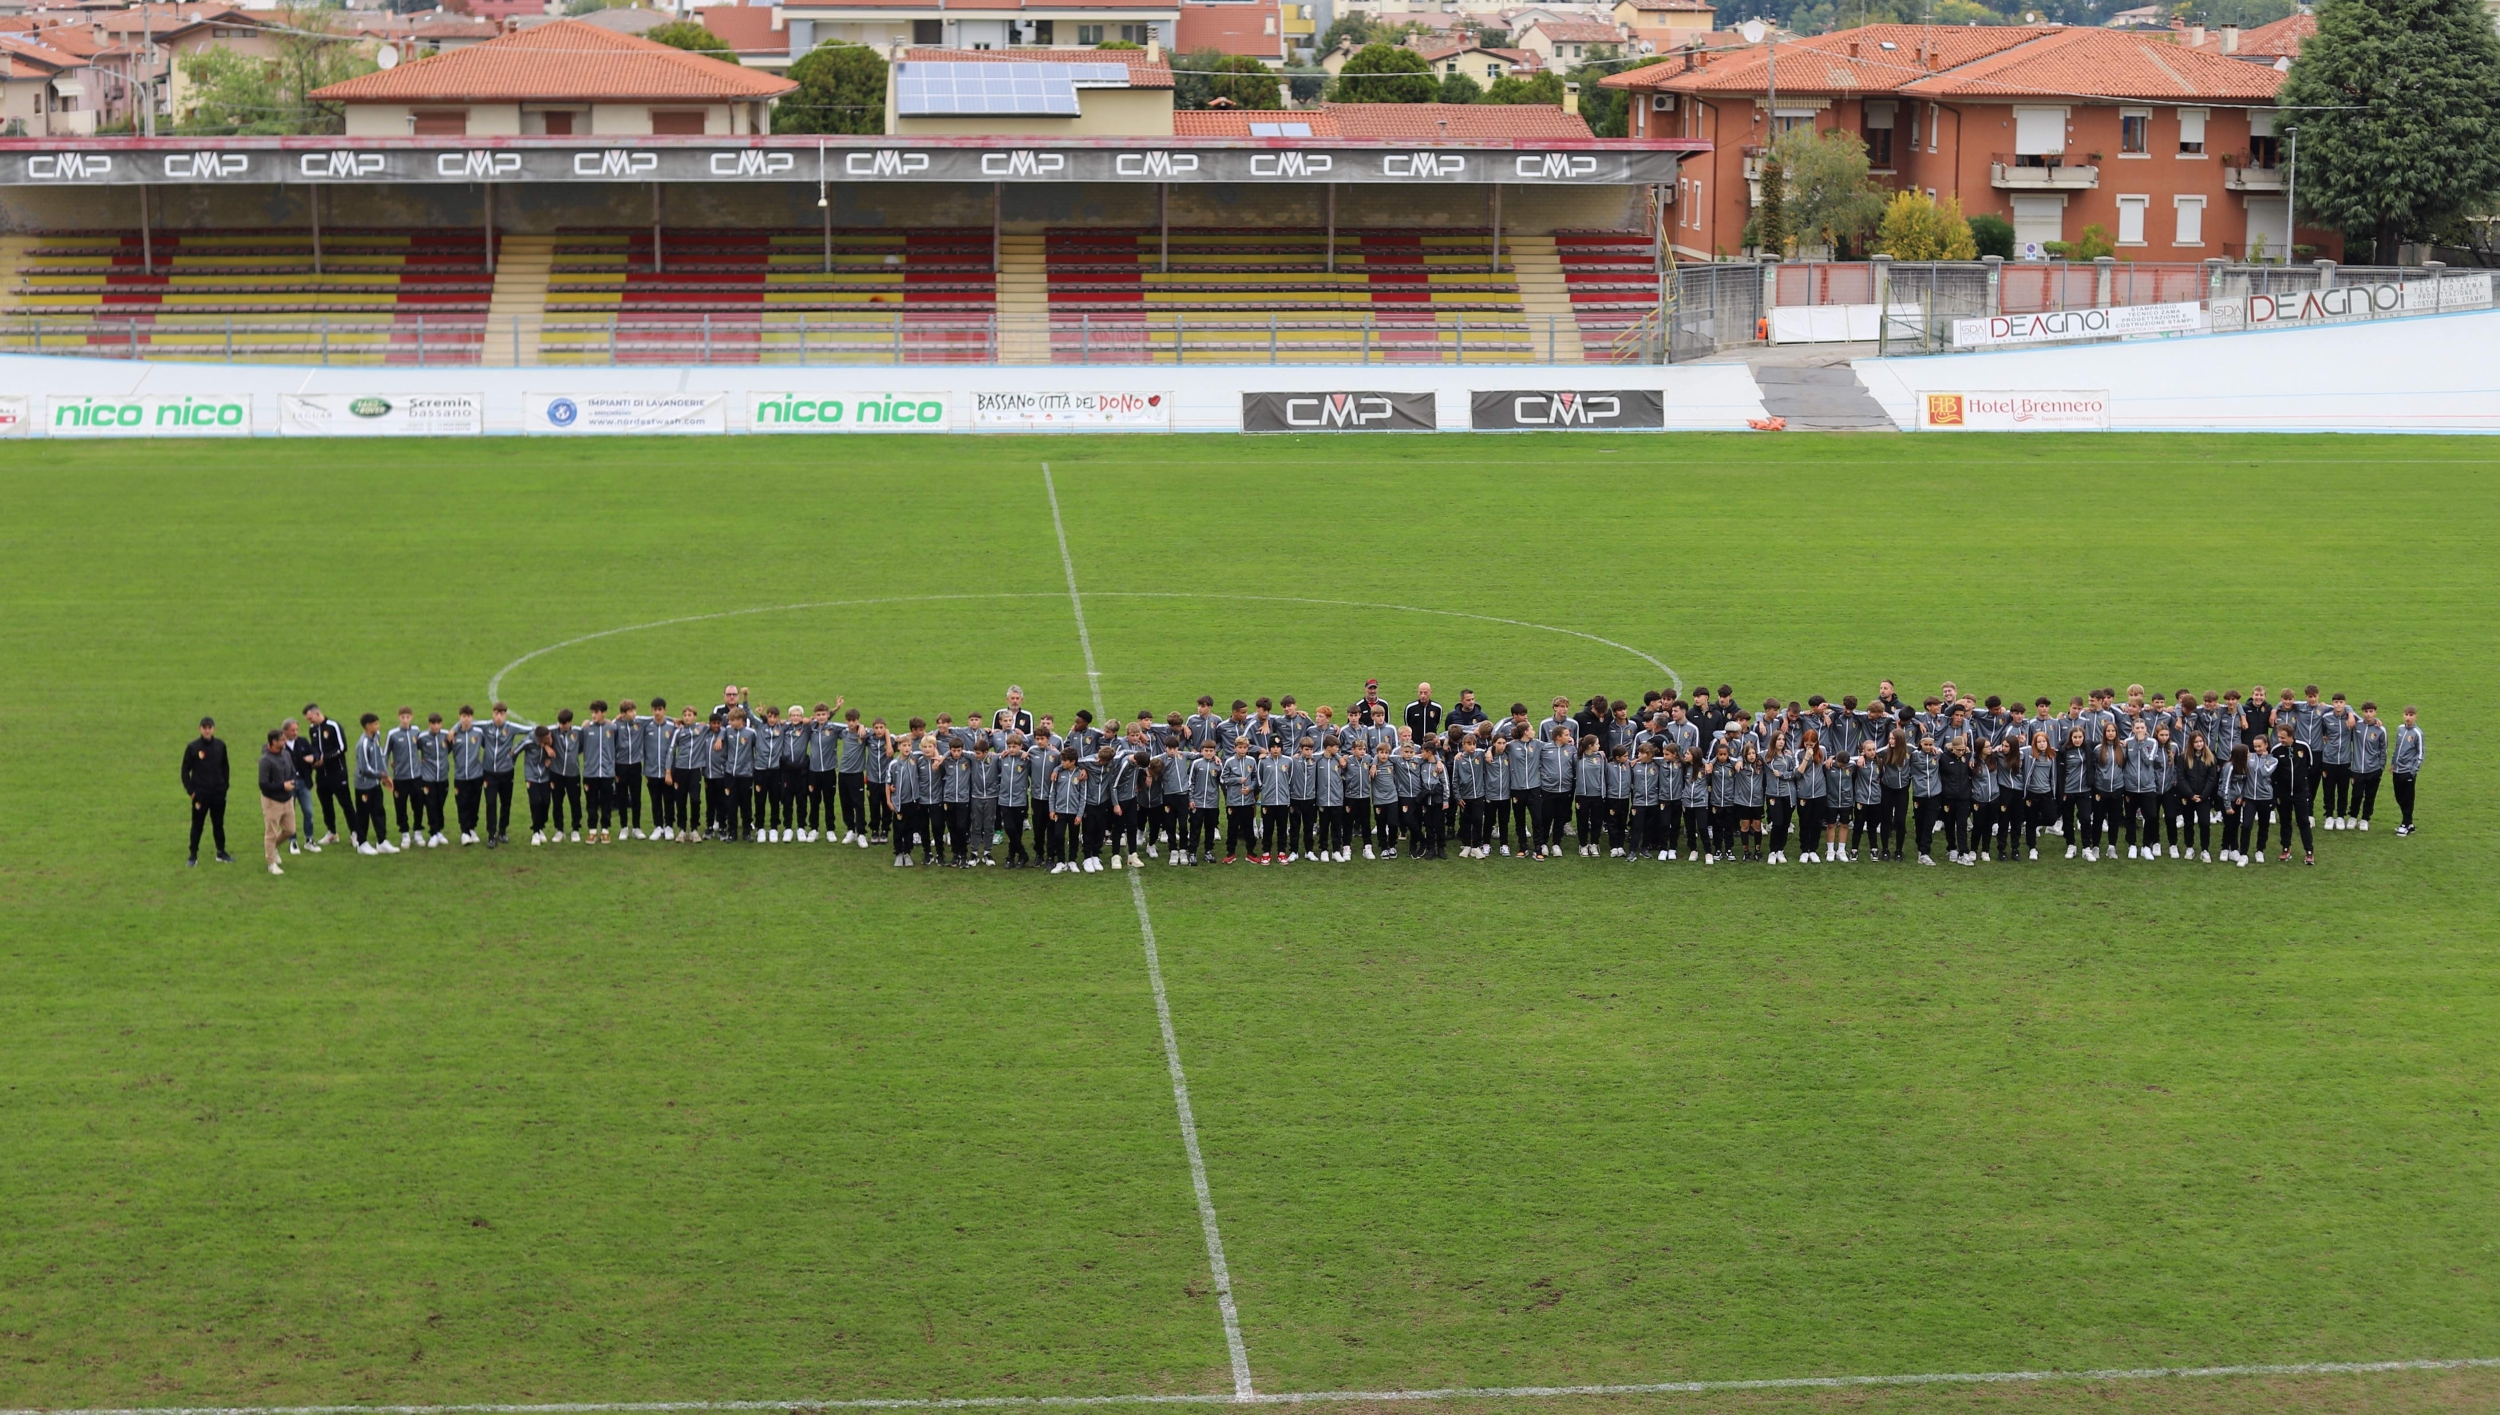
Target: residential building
1559, 44
983, 24
567, 79
1682, 18
1253, 29
2171, 150
1485, 66
44, 92
1130, 96
2264, 44
1387, 122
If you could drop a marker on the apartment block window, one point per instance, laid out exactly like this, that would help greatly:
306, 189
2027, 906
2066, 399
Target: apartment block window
1878, 134
929, 31
2265, 148
1137, 34
2131, 220
677, 122
439, 123
1042, 32
1089, 34
2191, 220
2135, 132
2191, 132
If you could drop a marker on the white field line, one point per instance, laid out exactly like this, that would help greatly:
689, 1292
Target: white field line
1317, 1397
1163, 1005
494, 685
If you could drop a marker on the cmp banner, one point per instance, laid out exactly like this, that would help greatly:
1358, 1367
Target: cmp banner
1339, 412
263, 162
1573, 409
150, 416
838, 412
16, 412
597, 413
382, 415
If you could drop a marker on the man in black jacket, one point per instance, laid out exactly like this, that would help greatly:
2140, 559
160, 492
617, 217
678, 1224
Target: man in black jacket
326, 742
2295, 783
204, 781
1423, 716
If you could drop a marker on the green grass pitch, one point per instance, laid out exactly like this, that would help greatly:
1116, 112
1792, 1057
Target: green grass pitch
727, 1123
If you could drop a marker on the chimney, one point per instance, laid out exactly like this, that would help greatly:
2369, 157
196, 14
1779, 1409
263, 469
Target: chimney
1154, 50
1571, 98
2196, 36
2230, 39
1853, 49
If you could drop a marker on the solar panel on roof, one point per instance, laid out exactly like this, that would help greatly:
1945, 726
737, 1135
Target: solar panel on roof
940, 90
1280, 130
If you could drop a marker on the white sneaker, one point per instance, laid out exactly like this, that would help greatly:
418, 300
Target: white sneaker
1668, 856
901, 860
1153, 849
2243, 862
2365, 825
364, 849
538, 837
1615, 852
2174, 852
2131, 852
863, 842
2091, 853
2070, 852
1176, 857
1505, 852
386, 848
293, 848
2035, 852
273, 869
2209, 857
1134, 863
1367, 853
1927, 859
1710, 859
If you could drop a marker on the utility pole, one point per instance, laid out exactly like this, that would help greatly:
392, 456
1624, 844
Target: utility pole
147, 66
2291, 190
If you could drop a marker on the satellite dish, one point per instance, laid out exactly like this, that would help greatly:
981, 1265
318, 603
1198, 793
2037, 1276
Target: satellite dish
1752, 30
386, 57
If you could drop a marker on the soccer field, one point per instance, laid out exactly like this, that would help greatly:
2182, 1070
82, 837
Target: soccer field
773, 1123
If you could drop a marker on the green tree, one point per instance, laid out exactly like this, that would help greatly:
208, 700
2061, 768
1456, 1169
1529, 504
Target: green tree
841, 90
1545, 87
1768, 230
1118, 44
234, 93
1352, 25
1917, 228
1992, 235
1458, 88
1244, 81
1308, 83
1830, 199
1387, 73
2398, 105
1607, 111
691, 36
2092, 244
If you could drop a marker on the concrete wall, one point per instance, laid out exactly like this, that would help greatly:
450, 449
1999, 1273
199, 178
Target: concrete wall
537, 209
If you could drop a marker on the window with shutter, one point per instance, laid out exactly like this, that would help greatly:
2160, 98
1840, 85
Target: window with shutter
2191, 220
2191, 132
440, 123
677, 122
2131, 220
2039, 132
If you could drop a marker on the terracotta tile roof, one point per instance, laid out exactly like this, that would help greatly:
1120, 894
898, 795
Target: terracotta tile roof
565, 62
1411, 121
1844, 61
1255, 30
1142, 72
15, 51
2102, 63
1651, 7
1235, 122
748, 29
1577, 31
2280, 40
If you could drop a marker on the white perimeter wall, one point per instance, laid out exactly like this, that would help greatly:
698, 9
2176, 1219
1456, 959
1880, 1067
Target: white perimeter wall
1699, 397
2429, 373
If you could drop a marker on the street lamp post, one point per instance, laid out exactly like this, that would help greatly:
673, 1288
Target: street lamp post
2291, 190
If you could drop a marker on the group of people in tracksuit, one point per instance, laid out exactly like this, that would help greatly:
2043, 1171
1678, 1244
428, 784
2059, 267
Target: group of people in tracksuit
1698, 779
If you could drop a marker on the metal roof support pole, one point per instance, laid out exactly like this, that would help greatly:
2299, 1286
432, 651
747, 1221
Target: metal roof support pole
1332, 228
1497, 228
659, 261
998, 224
312, 195
147, 248
489, 204
1163, 221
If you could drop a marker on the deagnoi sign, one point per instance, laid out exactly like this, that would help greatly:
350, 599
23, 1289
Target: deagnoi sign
2048, 326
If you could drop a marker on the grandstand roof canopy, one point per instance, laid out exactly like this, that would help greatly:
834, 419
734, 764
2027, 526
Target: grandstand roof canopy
1349, 156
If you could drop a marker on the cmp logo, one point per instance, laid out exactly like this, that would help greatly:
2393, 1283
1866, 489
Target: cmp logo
476, 166
562, 412
68, 167
1568, 409
752, 162
1424, 166
339, 166
615, 162
205, 166
1338, 412
1023, 162
1291, 165
1158, 166
884, 162
1556, 167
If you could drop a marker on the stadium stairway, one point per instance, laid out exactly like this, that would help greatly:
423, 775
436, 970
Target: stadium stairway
518, 310
1023, 299
1612, 278
1545, 297
1819, 398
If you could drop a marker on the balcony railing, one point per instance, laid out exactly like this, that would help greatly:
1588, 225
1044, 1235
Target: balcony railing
2240, 173
2029, 173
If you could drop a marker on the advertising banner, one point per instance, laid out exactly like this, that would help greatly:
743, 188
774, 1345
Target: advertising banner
16, 412
2014, 412
2372, 301
1577, 409
847, 412
150, 415
2047, 326
1044, 412
624, 412
382, 414
1339, 412
93, 162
